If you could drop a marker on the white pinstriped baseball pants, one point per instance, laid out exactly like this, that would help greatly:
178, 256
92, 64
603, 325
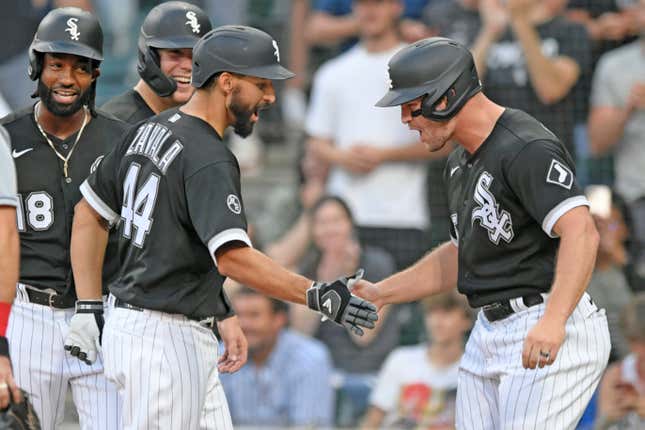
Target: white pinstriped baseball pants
165, 368
496, 393
44, 369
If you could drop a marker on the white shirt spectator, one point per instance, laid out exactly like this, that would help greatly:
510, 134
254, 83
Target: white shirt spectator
342, 109
413, 391
615, 75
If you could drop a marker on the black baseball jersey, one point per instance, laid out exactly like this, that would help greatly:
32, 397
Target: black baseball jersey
46, 199
129, 107
174, 188
504, 201
132, 108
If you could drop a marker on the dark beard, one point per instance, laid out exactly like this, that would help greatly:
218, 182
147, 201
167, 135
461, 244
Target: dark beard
46, 96
243, 126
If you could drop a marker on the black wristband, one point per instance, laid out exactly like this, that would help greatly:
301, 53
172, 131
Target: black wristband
4, 347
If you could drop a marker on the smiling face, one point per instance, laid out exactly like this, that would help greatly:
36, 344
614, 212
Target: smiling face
332, 226
177, 64
434, 134
65, 81
248, 97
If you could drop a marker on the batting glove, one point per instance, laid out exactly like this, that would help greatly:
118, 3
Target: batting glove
85, 331
336, 302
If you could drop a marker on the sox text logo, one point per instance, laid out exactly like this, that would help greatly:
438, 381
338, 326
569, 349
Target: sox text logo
192, 21
498, 223
72, 28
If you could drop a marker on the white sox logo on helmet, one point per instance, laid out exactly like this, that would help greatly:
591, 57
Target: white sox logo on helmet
192, 21
72, 28
277, 50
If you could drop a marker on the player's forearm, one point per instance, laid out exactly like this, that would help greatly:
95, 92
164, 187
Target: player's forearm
551, 78
10, 246
89, 239
606, 126
434, 273
575, 262
252, 268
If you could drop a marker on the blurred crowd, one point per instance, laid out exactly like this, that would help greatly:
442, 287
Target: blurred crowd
368, 194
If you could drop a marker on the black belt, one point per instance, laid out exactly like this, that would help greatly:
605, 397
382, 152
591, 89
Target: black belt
499, 310
206, 322
53, 300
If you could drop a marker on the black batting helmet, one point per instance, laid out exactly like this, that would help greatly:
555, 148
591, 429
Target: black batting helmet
432, 68
171, 25
237, 49
66, 30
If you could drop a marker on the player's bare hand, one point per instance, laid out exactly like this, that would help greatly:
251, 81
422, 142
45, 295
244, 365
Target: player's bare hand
235, 344
7, 384
542, 343
368, 291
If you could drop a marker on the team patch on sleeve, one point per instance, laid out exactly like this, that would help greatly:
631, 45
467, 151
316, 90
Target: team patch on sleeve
234, 204
559, 174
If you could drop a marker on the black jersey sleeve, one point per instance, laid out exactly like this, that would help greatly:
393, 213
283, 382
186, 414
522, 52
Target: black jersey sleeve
215, 205
543, 178
100, 188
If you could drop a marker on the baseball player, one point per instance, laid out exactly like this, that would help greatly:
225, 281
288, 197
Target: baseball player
168, 34
55, 145
165, 52
174, 188
523, 247
9, 262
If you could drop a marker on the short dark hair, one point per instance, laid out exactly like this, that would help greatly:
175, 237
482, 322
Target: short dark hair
447, 301
277, 306
632, 320
331, 198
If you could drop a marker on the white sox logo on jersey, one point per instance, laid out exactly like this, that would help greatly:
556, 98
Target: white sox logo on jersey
72, 28
498, 223
192, 21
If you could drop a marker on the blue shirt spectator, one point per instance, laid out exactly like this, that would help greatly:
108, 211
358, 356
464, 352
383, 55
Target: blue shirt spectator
287, 380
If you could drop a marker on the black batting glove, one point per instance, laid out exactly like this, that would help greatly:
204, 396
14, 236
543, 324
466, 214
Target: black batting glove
336, 302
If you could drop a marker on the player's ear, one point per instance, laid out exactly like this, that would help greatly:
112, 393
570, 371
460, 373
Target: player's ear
226, 82
96, 72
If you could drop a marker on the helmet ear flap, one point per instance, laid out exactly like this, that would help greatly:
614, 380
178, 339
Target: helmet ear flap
150, 71
35, 65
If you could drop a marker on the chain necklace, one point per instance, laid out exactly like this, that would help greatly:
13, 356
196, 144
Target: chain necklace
51, 144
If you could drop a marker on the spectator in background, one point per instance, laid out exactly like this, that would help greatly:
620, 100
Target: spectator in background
332, 22
530, 57
608, 285
287, 380
369, 151
622, 391
617, 125
18, 22
336, 250
423, 395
